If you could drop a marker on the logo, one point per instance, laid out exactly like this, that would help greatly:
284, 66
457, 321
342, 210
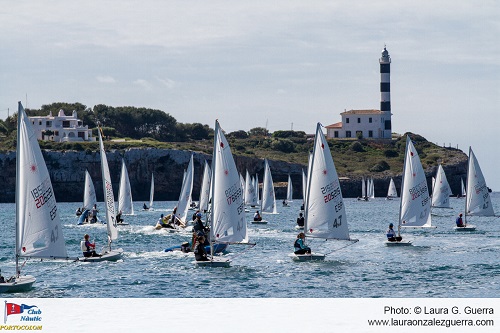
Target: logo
27, 312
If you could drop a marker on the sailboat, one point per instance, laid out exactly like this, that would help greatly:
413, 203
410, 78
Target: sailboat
289, 192
268, 204
151, 194
125, 203
364, 196
184, 201
462, 187
392, 192
227, 213
250, 195
371, 189
441, 191
477, 197
325, 215
109, 200
205, 188
89, 199
415, 205
38, 225
304, 191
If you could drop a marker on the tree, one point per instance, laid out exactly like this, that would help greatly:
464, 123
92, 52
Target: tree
238, 135
258, 131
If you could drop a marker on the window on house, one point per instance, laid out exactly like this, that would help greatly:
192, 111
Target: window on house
359, 120
347, 120
336, 134
48, 123
370, 133
370, 120
347, 134
66, 124
39, 123
359, 134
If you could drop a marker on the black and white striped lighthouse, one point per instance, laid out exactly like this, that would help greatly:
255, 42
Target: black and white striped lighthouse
385, 92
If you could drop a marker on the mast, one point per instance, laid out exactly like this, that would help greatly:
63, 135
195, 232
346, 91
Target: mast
402, 185
309, 173
214, 158
466, 186
18, 164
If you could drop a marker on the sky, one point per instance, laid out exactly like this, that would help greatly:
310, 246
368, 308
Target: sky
280, 64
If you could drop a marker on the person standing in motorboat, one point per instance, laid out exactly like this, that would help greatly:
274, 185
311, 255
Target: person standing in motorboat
200, 253
300, 220
88, 248
299, 245
391, 234
459, 221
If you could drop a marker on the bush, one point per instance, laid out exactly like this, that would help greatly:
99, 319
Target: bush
390, 153
380, 166
283, 145
356, 146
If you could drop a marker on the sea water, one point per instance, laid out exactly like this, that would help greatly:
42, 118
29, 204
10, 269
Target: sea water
441, 263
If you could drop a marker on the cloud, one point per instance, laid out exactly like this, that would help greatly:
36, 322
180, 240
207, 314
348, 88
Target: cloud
144, 83
167, 82
106, 79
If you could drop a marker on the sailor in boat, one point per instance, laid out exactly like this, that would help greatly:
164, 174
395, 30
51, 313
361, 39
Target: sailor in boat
93, 214
88, 248
257, 217
78, 212
459, 221
299, 245
391, 234
185, 248
199, 227
285, 203
200, 254
2, 279
164, 222
145, 207
300, 220
194, 215
119, 217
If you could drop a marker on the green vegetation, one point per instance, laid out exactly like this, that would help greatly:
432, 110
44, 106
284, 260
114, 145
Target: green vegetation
131, 127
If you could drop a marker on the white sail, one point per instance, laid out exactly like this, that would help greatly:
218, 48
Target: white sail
478, 202
109, 198
289, 190
39, 233
125, 204
205, 188
415, 207
363, 187
371, 189
441, 191
464, 192
186, 191
392, 192
228, 222
152, 192
250, 197
268, 197
257, 189
325, 215
304, 185
89, 196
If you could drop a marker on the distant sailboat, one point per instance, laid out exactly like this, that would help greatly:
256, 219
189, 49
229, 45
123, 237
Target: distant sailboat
462, 187
325, 215
227, 214
268, 204
441, 191
112, 230
371, 189
152, 193
125, 202
477, 198
89, 196
38, 225
289, 190
415, 205
392, 192
205, 188
186, 191
250, 194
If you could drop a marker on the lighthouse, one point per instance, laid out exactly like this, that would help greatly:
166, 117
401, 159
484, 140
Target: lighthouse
385, 93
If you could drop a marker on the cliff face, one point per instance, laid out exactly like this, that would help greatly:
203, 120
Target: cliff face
67, 172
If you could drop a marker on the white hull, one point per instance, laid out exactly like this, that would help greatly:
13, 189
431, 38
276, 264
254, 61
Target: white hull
216, 262
307, 257
123, 223
22, 283
259, 222
112, 255
467, 228
401, 243
298, 227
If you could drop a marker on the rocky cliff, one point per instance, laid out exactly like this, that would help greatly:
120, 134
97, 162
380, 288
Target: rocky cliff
67, 171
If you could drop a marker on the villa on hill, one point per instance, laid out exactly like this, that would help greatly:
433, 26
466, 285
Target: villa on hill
61, 128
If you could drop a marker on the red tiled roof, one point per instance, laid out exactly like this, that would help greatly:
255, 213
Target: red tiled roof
336, 125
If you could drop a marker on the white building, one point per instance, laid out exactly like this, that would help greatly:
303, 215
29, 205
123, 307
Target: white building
368, 124
61, 128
